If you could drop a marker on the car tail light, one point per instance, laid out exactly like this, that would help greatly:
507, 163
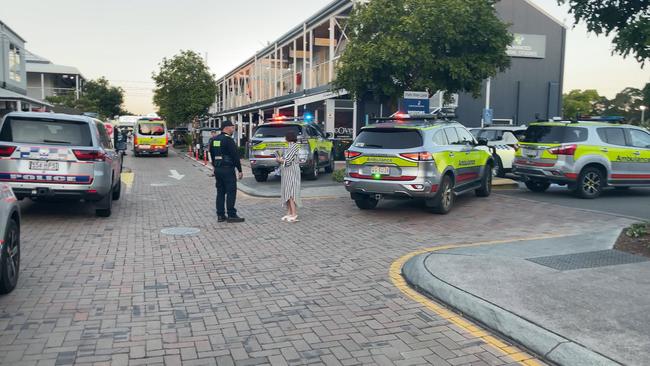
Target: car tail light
351, 154
7, 150
89, 155
420, 156
564, 150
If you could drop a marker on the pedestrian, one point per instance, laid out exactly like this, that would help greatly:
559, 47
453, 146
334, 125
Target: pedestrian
290, 174
225, 159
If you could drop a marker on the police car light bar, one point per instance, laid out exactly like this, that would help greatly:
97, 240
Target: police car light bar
604, 119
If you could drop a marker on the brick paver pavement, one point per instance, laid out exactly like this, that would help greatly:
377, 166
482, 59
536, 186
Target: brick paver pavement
117, 291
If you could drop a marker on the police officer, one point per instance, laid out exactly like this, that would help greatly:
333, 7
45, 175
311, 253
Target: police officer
225, 158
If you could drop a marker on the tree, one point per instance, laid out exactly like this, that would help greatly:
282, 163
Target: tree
185, 88
582, 102
398, 45
628, 19
96, 96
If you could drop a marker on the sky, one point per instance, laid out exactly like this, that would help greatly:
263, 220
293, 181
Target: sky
124, 40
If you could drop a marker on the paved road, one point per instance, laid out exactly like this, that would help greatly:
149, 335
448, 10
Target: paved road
117, 290
633, 202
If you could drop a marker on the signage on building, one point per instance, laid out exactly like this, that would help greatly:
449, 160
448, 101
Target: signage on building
415, 106
416, 95
527, 46
488, 116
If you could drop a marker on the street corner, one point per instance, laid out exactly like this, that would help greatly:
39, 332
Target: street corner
531, 291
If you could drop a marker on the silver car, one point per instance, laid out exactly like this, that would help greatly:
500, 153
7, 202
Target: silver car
59, 156
9, 240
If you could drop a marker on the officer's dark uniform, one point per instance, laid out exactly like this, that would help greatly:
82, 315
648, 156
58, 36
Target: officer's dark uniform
225, 158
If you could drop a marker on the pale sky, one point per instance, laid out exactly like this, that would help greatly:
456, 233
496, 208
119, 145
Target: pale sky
124, 40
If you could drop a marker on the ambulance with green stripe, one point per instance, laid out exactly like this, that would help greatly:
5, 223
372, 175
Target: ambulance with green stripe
586, 156
417, 157
316, 147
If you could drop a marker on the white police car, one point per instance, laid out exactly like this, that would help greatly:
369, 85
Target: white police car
504, 140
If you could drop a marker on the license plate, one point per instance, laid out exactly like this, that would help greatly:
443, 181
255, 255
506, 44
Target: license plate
383, 170
145, 147
43, 165
530, 153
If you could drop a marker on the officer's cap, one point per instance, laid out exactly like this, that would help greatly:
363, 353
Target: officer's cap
227, 124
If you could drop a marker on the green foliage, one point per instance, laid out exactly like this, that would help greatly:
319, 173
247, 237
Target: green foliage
185, 88
637, 230
398, 45
628, 20
338, 175
96, 96
627, 103
581, 102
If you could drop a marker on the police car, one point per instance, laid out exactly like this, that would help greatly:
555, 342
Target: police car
316, 147
419, 157
504, 140
47, 155
587, 156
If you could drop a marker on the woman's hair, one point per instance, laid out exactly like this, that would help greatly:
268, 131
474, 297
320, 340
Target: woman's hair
291, 137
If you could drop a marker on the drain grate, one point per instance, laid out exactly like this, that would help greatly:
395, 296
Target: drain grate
180, 231
602, 258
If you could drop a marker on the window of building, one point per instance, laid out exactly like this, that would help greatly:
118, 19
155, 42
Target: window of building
15, 66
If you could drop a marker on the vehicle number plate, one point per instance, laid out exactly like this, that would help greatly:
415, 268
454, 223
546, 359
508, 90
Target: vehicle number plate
383, 170
530, 153
43, 165
145, 147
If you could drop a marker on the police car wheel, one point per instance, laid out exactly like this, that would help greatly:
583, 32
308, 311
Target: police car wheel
106, 206
590, 183
446, 197
261, 177
497, 169
313, 170
117, 191
486, 183
537, 186
366, 203
10, 258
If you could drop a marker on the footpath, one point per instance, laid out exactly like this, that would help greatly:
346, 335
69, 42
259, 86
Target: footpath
572, 300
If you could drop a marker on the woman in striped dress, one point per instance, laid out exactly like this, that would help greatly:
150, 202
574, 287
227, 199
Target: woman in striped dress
290, 173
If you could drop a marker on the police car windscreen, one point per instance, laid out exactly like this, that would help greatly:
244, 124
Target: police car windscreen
389, 139
46, 131
151, 129
276, 131
555, 134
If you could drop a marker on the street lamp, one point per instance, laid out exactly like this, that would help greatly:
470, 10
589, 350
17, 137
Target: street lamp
643, 108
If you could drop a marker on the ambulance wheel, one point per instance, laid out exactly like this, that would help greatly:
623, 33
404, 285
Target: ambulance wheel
331, 166
538, 186
313, 170
486, 183
444, 201
106, 205
590, 183
117, 191
261, 177
366, 203
10, 258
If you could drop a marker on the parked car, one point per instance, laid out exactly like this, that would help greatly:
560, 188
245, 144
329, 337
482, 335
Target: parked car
420, 158
150, 137
45, 156
316, 147
10, 243
586, 156
504, 141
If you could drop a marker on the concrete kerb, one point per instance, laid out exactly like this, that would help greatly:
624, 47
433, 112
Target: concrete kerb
535, 337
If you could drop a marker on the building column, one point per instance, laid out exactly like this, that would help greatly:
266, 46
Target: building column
311, 59
240, 128
250, 126
42, 86
304, 57
332, 49
355, 114
77, 89
19, 106
275, 72
330, 113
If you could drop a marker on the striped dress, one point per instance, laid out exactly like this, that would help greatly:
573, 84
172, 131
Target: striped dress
290, 173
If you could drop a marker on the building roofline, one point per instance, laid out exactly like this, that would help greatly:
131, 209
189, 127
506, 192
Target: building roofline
322, 13
12, 31
549, 15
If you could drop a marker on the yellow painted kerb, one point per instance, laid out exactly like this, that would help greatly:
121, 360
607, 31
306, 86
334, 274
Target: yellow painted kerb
395, 274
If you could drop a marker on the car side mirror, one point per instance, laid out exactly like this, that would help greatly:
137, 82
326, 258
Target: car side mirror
482, 141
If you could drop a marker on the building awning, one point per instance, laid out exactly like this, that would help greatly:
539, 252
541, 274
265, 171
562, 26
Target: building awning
12, 96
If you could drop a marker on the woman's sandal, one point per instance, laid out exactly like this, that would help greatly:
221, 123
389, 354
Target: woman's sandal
293, 219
